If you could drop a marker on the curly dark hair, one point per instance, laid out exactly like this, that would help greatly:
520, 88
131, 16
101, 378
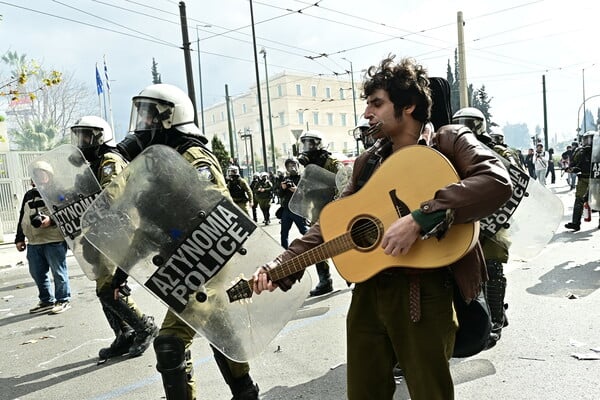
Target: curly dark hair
406, 83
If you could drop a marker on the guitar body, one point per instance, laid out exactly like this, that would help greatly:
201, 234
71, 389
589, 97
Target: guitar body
404, 180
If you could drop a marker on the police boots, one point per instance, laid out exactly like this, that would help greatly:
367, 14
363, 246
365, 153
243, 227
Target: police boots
119, 346
145, 331
325, 284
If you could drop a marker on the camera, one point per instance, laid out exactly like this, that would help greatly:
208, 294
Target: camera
37, 219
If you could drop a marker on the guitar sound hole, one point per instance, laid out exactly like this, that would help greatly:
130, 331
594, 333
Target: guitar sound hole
365, 233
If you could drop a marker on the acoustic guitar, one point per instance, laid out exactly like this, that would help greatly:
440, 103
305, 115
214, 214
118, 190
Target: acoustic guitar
353, 226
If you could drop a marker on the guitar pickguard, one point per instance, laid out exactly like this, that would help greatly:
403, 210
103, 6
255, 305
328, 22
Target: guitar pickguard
401, 208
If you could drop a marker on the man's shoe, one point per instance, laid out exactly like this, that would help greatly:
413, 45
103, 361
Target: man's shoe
250, 393
572, 226
41, 307
322, 288
60, 307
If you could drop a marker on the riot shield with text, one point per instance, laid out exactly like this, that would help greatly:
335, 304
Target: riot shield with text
175, 233
531, 215
594, 186
316, 188
68, 186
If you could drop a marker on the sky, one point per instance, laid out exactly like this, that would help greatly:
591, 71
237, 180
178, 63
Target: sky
510, 46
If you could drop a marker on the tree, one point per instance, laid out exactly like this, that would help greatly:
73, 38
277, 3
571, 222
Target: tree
155, 74
54, 101
453, 78
218, 149
481, 101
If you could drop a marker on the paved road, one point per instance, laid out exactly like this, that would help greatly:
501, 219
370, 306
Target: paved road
554, 312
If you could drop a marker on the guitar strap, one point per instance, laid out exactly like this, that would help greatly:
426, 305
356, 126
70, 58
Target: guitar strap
377, 155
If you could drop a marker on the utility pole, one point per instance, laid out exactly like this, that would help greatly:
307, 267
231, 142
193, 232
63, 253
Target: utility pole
264, 53
545, 113
260, 113
229, 126
462, 63
189, 73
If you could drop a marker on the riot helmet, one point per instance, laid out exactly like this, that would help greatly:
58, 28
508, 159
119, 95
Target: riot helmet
588, 138
291, 166
362, 133
264, 176
473, 119
89, 133
312, 148
233, 172
41, 172
159, 114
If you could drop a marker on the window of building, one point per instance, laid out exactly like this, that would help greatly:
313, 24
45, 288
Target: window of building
222, 115
330, 119
244, 109
300, 117
343, 119
281, 117
298, 90
280, 90
316, 118
327, 92
212, 117
313, 91
342, 97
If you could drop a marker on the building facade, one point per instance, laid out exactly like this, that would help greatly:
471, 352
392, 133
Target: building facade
297, 103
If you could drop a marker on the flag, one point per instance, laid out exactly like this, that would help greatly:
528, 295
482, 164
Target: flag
106, 77
98, 81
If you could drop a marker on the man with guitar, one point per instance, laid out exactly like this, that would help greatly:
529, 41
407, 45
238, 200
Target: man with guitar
405, 315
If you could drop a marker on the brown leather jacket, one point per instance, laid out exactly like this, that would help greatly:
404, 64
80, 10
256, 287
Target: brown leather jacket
483, 188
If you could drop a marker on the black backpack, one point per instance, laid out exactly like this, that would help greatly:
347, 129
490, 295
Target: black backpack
441, 109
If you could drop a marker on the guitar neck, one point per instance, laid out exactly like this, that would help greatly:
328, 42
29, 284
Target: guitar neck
322, 252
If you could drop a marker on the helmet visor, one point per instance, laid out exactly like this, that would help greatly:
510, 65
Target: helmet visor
86, 137
310, 144
150, 114
475, 125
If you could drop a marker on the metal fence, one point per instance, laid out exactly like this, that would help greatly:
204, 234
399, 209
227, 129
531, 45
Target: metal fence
14, 182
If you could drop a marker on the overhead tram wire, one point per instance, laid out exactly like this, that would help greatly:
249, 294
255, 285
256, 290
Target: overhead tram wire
90, 25
109, 21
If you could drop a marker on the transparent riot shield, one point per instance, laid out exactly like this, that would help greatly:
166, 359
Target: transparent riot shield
172, 231
531, 215
68, 186
534, 222
316, 188
594, 187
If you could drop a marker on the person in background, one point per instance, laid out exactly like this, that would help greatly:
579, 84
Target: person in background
581, 165
540, 161
287, 188
551, 170
263, 196
46, 248
314, 152
239, 189
529, 163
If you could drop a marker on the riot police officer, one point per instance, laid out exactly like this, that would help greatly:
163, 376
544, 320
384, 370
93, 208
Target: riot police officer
313, 152
581, 165
133, 330
287, 187
264, 189
495, 249
239, 189
164, 114
254, 187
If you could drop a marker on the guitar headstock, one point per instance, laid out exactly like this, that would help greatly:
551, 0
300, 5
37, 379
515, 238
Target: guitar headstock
240, 290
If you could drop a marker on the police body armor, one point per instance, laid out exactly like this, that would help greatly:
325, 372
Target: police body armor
594, 185
71, 190
173, 232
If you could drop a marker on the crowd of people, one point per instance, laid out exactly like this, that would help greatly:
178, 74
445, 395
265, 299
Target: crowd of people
389, 328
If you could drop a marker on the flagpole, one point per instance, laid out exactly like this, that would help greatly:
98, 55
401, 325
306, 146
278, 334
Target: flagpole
112, 123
